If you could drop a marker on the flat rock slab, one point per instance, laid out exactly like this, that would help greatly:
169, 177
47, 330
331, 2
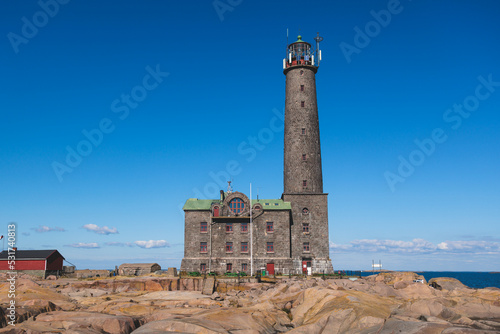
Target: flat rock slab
172, 295
76, 322
208, 286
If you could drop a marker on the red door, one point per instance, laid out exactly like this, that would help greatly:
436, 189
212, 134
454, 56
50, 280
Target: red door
304, 266
216, 211
270, 268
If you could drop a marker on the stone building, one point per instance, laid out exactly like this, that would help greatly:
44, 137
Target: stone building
287, 235
138, 269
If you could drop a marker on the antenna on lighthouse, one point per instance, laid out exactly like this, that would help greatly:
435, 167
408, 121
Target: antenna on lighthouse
318, 51
286, 42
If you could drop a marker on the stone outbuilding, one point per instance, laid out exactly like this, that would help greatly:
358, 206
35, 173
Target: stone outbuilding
137, 269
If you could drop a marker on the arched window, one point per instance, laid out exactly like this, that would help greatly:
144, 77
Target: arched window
236, 205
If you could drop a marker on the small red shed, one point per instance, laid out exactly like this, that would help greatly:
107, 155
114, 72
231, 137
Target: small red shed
38, 262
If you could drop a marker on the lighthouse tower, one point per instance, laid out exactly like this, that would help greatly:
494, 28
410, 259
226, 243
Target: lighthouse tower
303, 177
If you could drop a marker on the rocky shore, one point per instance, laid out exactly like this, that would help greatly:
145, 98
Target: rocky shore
383, 303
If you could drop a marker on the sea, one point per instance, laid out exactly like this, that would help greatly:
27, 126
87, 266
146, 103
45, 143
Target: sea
475, 280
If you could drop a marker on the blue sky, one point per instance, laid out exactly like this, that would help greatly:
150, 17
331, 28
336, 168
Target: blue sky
178, 95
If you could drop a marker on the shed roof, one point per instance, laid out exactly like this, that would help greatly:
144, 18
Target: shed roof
194, 204
30, 254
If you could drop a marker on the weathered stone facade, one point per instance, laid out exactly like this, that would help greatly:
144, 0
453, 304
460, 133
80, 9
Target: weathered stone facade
287, 235
316, 219
228, 227
302, 132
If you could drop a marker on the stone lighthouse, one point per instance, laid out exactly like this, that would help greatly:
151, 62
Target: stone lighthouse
289, 235
303, 177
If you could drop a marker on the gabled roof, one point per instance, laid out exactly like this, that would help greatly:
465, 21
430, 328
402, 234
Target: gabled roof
194, 204
30, 254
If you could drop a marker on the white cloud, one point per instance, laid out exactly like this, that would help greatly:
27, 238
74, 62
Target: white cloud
43, 228
393, 246
152, 244
473, 246
417, 246
120, 244
100, 230
84, 245
442, 245
334, 246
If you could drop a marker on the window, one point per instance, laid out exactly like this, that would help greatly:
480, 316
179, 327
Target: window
203, 227
304, 183
301, 88
301, 72
203, 247
304, 157
305, 227
306, 247
302, 104
305, 211
244, 267
270, 227
270, 247
236, 205
244, 247
229, 227
244, 227
229, 247
229, 267
303, 131
203, 267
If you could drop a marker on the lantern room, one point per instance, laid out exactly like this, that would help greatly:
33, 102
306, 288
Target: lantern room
300, 53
